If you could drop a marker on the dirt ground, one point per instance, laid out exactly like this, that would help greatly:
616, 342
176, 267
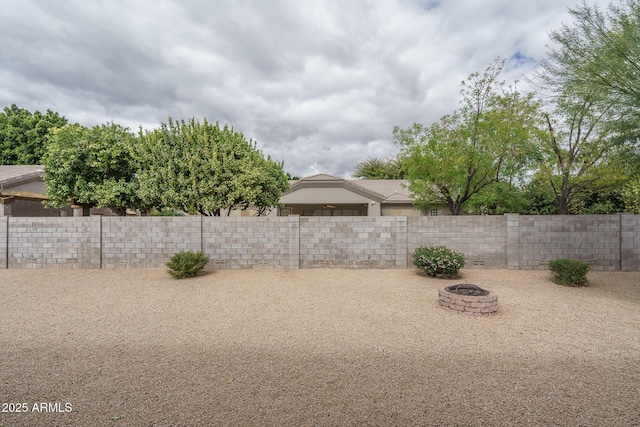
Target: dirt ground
315, 347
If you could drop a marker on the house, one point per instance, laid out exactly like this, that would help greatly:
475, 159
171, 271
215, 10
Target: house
327, 195
22, 191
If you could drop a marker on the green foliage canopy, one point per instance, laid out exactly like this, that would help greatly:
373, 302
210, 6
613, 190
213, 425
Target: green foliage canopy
203, 168
92, 167
601, 50
23, 135
374, 168
491, 138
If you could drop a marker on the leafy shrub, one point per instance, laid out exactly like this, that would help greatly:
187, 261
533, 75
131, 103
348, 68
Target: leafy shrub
438, 261
569, 272
186, 264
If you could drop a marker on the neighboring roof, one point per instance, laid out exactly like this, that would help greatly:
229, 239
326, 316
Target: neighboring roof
393, 189
10, 174
385, 190
22, 182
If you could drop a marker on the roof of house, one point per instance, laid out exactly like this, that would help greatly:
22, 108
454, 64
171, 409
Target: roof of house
10, 174
18, 181
388, 190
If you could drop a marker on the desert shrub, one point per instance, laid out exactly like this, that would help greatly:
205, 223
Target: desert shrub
569, 272
438, 261
186, 264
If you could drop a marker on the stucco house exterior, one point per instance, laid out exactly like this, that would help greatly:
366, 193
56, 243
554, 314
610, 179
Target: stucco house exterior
22, 191
327, 195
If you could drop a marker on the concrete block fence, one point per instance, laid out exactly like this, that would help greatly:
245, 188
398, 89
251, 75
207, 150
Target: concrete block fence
607, 242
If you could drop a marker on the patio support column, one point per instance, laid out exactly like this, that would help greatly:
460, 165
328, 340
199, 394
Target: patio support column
81, 210
373, 209
5, 206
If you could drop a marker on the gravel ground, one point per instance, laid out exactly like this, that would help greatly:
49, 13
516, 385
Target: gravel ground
315, 347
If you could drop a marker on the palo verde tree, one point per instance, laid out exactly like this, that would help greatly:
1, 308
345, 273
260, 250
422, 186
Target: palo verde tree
23, 134
592, 72
203, 168
490, 138
601, 51
91, 167
581, 135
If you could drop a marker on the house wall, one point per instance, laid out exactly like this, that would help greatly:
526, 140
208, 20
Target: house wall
388, 209
607, 242
27, 208
319, 195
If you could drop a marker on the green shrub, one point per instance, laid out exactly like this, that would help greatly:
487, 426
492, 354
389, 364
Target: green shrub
438, 261
569, 272
186, 264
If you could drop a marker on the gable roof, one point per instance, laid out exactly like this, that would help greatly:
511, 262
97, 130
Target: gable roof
13, 174
12, 177
381, 190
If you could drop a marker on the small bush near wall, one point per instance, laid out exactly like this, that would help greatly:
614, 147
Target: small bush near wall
186, 264
438, 261
569, 272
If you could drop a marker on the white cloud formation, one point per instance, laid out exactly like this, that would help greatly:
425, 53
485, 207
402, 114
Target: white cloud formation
318, 84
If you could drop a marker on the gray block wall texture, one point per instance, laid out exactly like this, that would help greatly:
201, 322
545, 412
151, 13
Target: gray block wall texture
483, 239
249, 242
53, 242
4, 221
595, 239
339, 242
607, 242
132, 242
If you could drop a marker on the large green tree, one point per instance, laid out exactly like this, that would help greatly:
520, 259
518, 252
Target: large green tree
23, 134
581, 137
490, 138
91, 167
600, 49
203, 168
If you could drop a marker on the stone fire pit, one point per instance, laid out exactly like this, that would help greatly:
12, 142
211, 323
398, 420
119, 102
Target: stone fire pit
468, 299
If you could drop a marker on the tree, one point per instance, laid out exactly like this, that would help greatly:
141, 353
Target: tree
601, 50
631, 196
374, 168
491, 138
201, 168
497, 199
23, 135
91, 167
580, 137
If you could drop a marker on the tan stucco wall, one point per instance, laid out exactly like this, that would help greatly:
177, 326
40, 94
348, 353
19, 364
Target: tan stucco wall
399, 209
323, 196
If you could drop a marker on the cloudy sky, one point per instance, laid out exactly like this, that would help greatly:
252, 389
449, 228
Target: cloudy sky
319, 84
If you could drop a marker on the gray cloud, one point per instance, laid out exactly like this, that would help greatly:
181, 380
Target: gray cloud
318, 84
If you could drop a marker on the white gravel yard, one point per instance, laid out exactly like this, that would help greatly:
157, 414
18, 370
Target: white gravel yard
315, 347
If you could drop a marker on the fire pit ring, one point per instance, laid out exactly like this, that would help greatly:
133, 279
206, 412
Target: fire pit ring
468, 299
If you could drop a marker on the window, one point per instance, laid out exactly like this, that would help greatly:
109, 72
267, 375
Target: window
433, 212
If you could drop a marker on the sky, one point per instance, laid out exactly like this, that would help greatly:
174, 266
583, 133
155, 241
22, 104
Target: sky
318, 84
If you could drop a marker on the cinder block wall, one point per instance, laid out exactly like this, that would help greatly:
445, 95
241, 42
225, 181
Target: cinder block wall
54, 242
591, 238
130, 242
348, 242
249, 242
483, 239
3, 241
630, 242
608, 242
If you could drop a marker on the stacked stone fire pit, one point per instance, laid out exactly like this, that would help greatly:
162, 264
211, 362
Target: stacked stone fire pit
468, 299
